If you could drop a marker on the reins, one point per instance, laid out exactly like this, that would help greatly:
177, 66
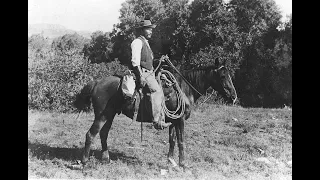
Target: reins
173, 67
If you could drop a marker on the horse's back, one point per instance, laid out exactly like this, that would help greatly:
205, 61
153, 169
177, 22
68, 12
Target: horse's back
109, 82
105, 89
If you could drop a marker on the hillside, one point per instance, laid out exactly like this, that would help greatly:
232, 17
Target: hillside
53, 30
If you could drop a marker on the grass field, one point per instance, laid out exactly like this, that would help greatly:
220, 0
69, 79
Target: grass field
222, 142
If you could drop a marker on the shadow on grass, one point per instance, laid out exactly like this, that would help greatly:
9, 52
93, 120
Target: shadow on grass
45, 152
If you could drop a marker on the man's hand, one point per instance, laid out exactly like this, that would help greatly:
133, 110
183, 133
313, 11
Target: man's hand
163, 58
143, 82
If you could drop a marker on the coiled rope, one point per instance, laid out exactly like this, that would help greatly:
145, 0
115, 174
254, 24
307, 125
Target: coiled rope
180, 100
170, 80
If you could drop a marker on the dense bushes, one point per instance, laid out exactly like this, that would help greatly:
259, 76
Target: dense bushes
55, 79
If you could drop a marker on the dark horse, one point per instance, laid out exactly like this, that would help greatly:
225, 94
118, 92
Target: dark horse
107, 100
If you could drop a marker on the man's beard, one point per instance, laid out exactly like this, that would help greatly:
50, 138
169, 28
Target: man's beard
147, 36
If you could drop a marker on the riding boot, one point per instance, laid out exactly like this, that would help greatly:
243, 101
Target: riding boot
161, 124
159, 116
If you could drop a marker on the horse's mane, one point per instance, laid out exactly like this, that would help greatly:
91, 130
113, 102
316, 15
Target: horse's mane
196, 75
118, 75
206, 68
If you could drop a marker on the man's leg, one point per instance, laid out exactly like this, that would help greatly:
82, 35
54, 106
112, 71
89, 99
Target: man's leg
157, 97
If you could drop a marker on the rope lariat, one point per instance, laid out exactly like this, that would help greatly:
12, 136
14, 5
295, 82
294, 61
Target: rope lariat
181, 102
171, 81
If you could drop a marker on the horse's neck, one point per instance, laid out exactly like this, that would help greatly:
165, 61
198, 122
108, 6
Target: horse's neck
195, 78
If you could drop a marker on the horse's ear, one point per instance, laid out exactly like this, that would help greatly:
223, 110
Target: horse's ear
217, 63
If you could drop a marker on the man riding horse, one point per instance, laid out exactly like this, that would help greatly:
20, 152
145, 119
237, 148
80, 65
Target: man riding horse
142, 63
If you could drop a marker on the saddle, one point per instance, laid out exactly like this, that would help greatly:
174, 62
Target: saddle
136, 100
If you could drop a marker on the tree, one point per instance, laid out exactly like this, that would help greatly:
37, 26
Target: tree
256, 17
283, 46
69, 44
173, 31
282, 72
99, 48
37, 42
38, 49
258, 21
207, 32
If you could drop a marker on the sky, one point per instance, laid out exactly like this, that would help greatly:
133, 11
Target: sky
91, 15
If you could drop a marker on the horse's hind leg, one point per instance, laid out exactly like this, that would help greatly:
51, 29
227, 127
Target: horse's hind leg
91, 134
172, 143
104, 135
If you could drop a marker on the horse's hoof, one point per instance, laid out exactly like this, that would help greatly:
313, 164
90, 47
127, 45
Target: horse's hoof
105, 161
105, 157
176, 169
84, 160
76, 166
185, 167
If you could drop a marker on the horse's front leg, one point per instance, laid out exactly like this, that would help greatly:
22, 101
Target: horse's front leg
180, 137
172, 136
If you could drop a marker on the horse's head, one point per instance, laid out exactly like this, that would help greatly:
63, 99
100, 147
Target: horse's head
219, 79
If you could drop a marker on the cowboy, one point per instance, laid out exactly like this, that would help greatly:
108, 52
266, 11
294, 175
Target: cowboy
142, 63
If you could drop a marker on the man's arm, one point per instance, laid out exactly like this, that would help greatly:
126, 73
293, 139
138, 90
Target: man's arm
136, 47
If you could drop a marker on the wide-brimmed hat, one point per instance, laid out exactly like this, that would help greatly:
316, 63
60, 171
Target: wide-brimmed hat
146, 23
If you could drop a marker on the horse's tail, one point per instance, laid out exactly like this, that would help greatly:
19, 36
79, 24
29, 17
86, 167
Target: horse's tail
83, 99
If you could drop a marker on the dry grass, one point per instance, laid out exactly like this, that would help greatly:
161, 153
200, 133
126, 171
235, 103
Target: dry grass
221, 143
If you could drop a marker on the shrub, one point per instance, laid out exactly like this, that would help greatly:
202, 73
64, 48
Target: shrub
53, 83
